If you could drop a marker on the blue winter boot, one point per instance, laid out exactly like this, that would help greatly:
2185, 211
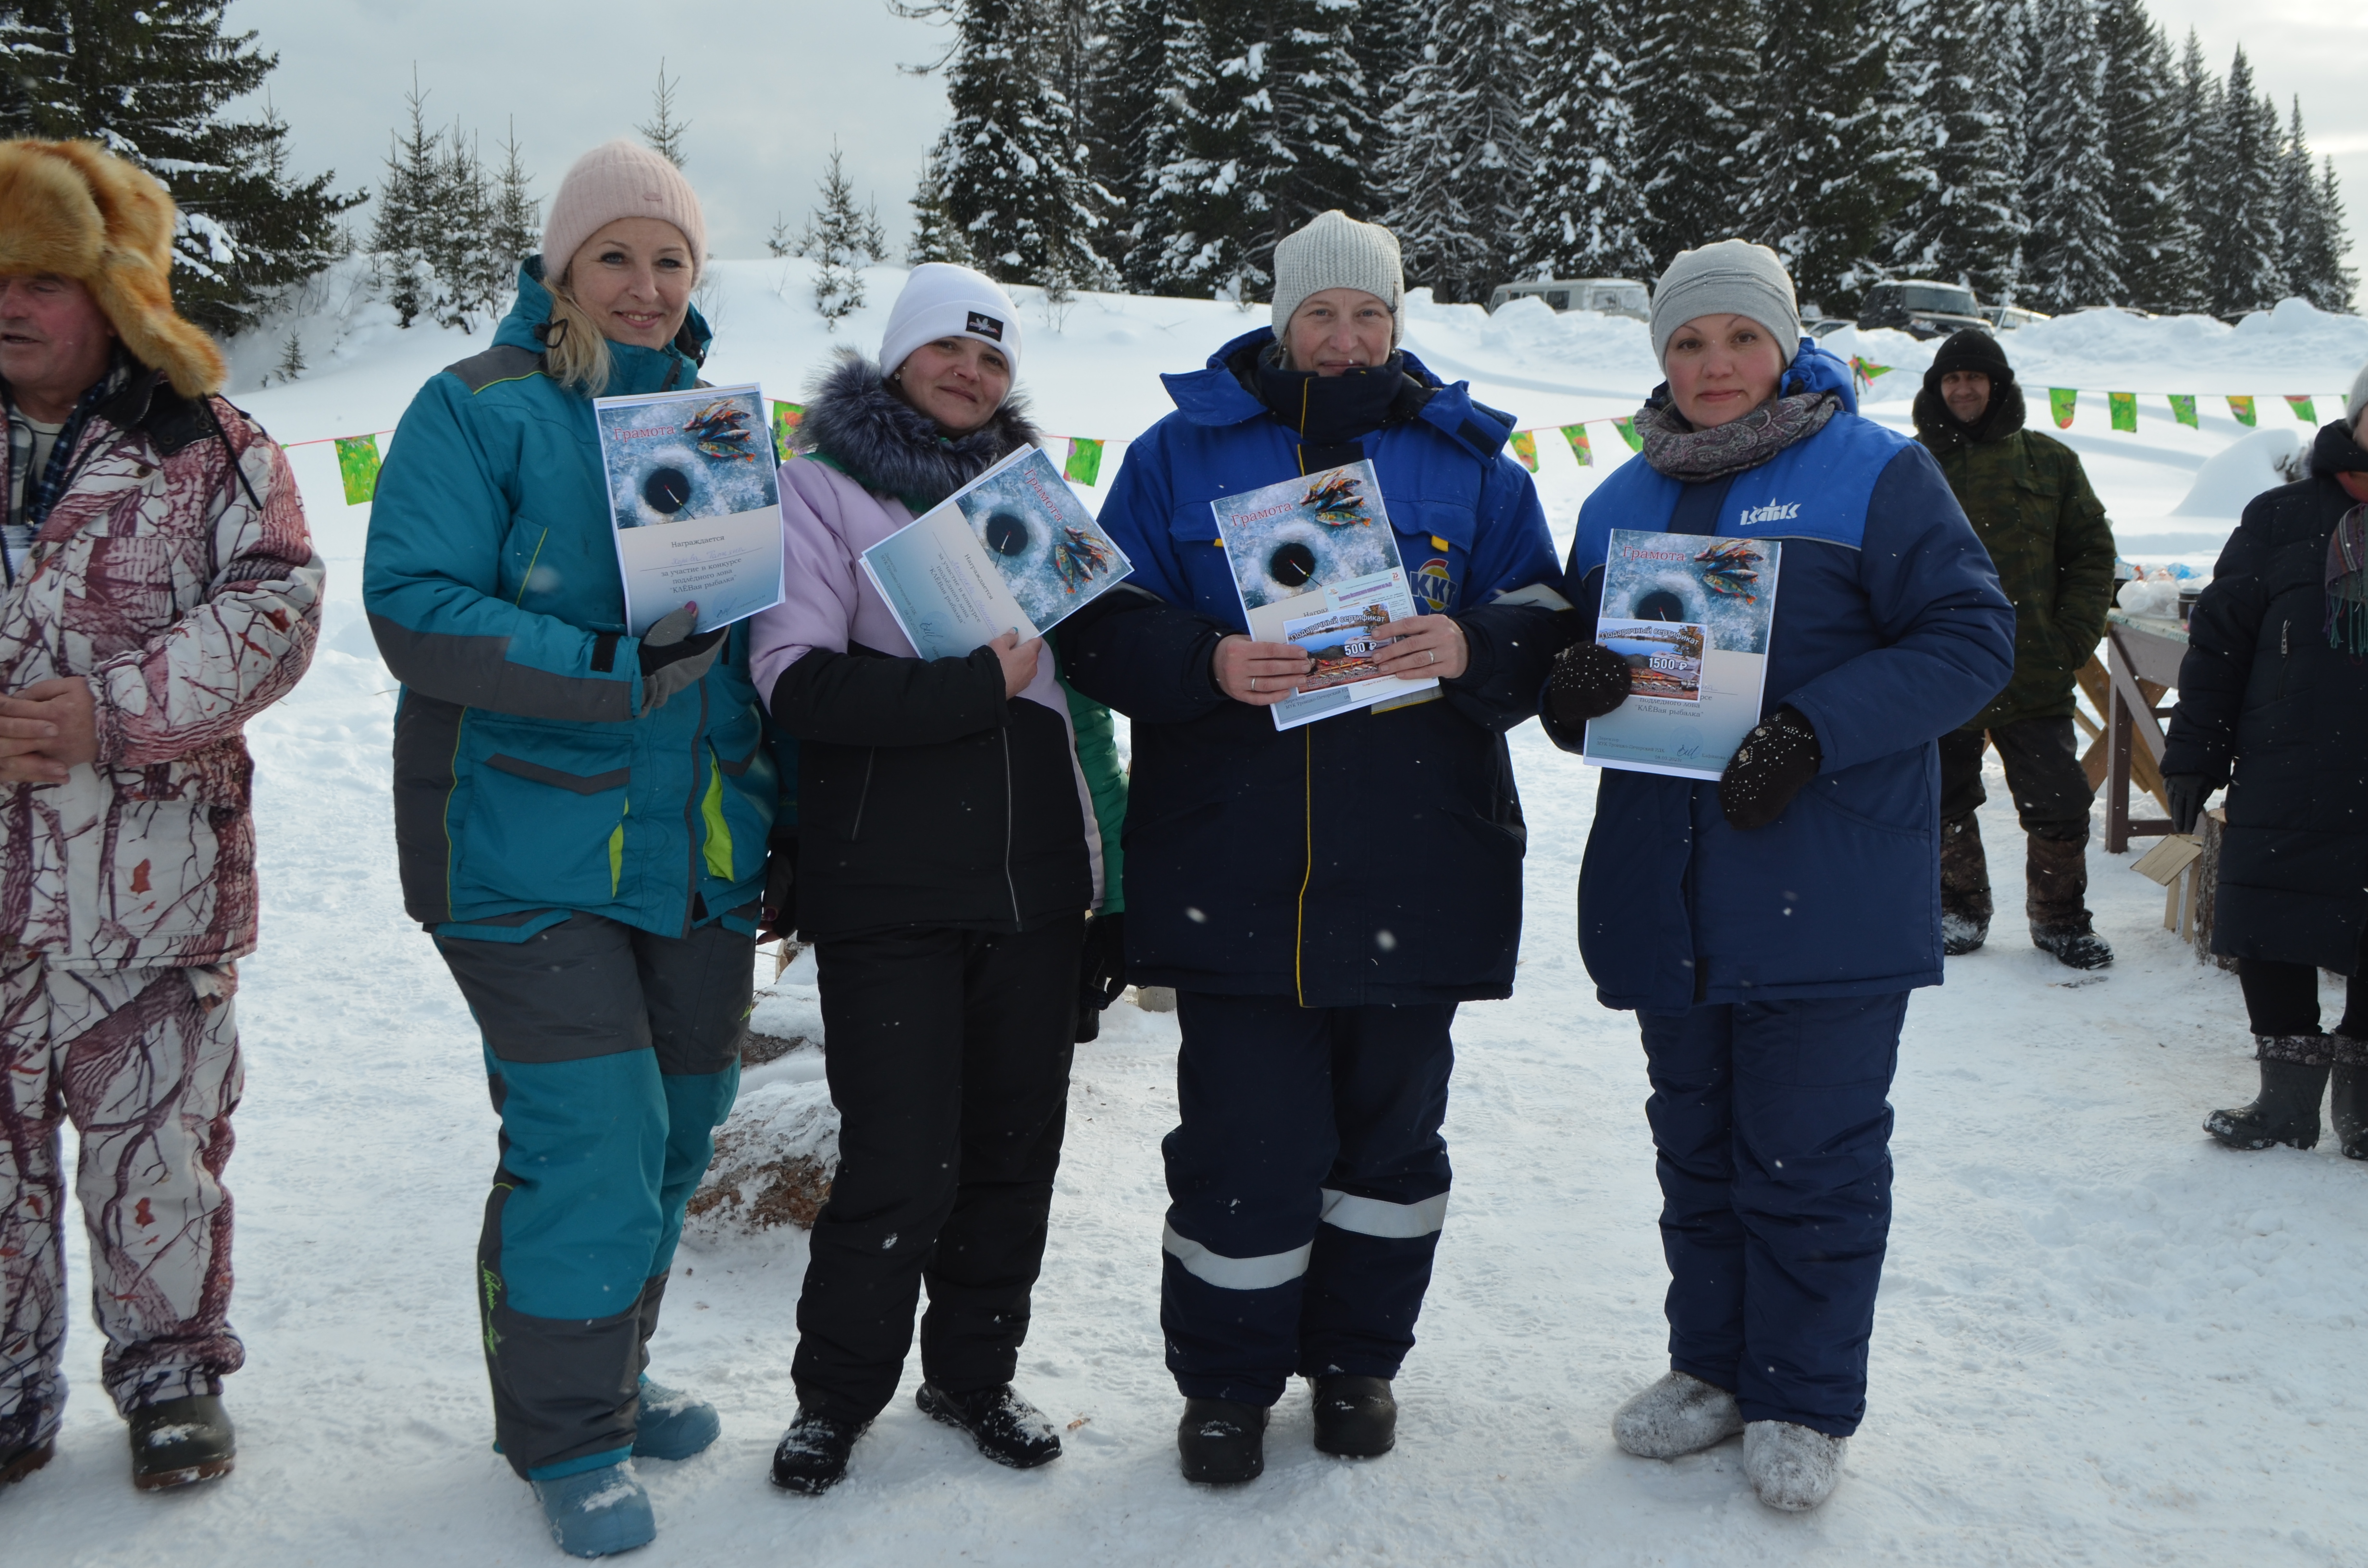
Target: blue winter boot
673, 1426
598, 1512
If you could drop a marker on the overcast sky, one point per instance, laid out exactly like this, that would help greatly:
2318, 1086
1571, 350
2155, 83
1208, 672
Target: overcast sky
767, 85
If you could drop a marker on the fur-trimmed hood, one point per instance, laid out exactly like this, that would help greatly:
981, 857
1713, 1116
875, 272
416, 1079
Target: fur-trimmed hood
890, 448
75, 209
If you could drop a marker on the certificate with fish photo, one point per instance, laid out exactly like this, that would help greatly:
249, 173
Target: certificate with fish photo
1317, 562
1690, 614
1012, 550
694, 496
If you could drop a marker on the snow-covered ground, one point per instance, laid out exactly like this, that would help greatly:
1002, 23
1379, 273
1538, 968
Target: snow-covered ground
2101, 1340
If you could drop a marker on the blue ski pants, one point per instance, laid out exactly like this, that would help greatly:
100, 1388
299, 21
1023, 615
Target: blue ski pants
612, 1055
1774, 1130
1308, 1184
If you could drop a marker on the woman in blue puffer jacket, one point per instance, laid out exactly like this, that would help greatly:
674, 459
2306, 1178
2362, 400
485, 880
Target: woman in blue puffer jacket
1768, 930
582, 818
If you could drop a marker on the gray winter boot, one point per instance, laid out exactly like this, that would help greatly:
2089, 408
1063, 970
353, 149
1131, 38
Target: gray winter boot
1964, 886
2347, 1096
2293, 1076
1792, 1468
1679, 1414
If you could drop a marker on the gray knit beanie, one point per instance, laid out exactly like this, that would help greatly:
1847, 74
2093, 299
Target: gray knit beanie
1334, 250
1730, 277
2355, 402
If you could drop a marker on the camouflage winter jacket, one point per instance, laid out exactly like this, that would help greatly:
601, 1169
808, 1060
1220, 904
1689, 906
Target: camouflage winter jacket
2047, 533
177, 573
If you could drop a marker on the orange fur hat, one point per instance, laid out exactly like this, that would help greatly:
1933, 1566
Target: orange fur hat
75, 210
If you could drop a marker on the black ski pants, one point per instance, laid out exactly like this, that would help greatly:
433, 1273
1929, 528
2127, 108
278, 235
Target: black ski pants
2052, 793
948, 1056
2282, 998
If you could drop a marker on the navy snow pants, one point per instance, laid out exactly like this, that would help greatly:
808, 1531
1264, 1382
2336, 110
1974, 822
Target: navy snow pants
1774, 1130
612, 1056
1309, 1182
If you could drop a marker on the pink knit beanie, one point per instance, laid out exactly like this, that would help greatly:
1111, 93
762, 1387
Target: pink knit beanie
620, 179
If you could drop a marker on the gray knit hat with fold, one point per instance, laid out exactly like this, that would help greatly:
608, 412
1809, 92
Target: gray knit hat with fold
1334, 250
2356, 402
1730, 277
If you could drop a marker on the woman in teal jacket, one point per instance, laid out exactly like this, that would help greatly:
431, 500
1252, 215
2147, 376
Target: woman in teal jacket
582, 820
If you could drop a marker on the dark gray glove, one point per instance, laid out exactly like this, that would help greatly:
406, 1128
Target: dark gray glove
1775, 762
2188, 792
1589, 681
673, 658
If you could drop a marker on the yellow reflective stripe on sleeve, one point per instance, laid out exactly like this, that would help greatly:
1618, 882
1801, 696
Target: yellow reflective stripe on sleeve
617, 852
719, 832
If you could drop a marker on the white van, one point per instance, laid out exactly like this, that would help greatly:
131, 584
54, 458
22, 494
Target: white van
1611, 296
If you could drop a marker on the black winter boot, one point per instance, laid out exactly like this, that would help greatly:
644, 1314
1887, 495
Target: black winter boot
1007, 1428
180, 1442
2294, 1077
2346, 1098
812, 1456
1356, 1417
2074, 946
1221, 1441
2055, 898
1964, 886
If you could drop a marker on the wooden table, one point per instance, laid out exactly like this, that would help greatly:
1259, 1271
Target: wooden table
2142, 658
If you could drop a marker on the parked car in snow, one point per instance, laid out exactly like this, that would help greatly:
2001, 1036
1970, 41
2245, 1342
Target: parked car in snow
1825, 326
2007, 318
1611, 296
1922, 307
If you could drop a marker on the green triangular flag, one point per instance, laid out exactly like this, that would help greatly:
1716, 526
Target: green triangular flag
1084, 463
2183, 408
2304, 410
358, 462
2059, 403
1525, 447
2124, 410
1627, 428
2240, 409
1580, 446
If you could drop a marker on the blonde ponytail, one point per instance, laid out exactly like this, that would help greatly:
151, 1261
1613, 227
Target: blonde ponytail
575, 354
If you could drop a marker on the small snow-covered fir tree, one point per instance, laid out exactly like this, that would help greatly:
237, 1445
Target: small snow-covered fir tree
1585, 216
662, 130
292, 360
1457, 171
470, 279
2241, 239
1825, 169
2070, 253
2191, 137
837, 240
1010, 164
1962, 221
403, 233
155, 82
935, 235
2326, 281
2310, 224
1693, 84
517, 213
2145, 210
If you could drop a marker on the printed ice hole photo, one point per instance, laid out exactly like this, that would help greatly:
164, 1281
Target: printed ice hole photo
1006, 533
1292, 564
666, 490
1660, 604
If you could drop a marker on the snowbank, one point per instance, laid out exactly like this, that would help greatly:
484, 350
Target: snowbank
2233, 476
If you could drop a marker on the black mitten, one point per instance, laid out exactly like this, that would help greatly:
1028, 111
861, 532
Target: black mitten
1101, 972
2188, 792
1775, 762
1589, 681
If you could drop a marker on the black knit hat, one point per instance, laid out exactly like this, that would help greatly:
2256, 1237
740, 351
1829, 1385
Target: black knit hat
1971, 349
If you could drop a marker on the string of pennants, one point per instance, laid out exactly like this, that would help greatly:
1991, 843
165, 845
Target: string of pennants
2121, 408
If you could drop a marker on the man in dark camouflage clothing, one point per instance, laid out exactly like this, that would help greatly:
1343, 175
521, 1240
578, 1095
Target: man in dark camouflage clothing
2046, 531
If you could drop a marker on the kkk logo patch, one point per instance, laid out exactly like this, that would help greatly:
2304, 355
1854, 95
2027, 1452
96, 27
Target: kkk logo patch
1432, 584
985, 325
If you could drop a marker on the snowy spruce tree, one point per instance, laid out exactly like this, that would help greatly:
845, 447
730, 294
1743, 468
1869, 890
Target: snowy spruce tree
1586, 215
404, 232
516, 230
2147, 215
935, 235
1010, 165
154, 81
1962, 221
1387, 42
2071, 253
1132, 123
1693, 82
1825, 169
663, 130
469, 276
2240, 227
838, 240
2327, 282
2310, 224
1457, 170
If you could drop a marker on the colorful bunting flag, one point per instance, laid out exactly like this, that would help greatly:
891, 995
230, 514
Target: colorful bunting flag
2304, 410
787, 416
1085, 465
358, 462
2240, 409
2124, 410
1525, 447
1627, 428
2059, 403
1581, 448
1867, 369
2183, 408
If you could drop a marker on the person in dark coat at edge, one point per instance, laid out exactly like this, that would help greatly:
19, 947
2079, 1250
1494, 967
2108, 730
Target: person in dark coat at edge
1767, 929
952, 817
1321, 898
2274, 704
2030, 501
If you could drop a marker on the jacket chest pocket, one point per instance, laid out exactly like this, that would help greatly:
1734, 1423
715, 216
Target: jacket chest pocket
139, 575
545, 813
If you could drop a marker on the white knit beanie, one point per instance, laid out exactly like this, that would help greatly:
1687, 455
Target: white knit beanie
941, 299
1730, 277
1334, 250
620, 179
2356, 403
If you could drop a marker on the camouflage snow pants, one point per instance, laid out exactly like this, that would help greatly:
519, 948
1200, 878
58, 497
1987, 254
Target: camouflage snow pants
146, 1063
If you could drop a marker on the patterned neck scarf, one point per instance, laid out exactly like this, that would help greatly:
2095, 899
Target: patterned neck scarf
41, 490
1675, 448
2347, 584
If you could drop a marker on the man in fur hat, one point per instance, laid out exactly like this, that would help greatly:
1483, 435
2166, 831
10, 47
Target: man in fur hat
157, 588
2046, 529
